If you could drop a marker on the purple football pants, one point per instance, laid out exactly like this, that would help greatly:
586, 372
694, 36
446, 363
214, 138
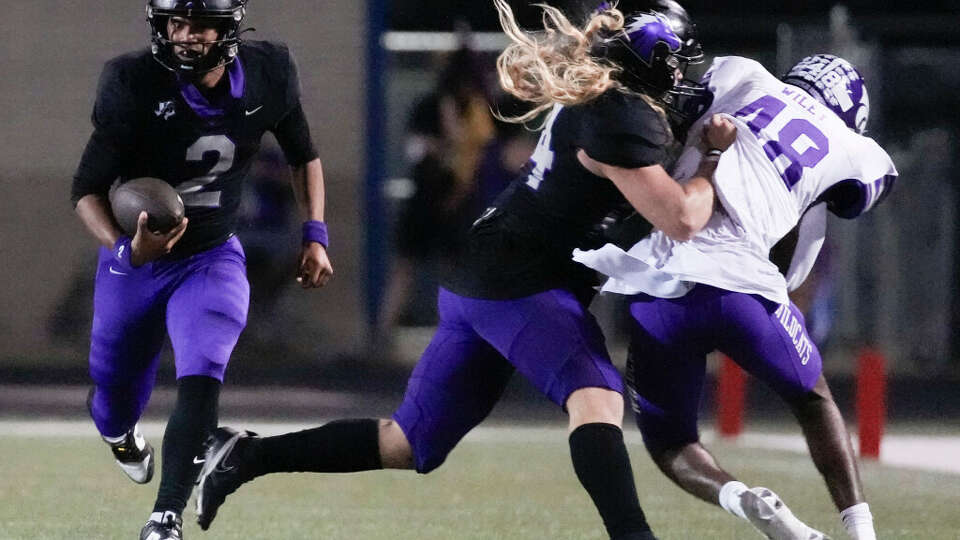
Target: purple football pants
672, 337
550, 338
201, 301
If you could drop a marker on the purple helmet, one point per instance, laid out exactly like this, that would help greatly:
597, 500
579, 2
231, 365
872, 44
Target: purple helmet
837, 84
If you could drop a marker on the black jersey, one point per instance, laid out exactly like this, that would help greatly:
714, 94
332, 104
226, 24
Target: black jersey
150, 122
522, 245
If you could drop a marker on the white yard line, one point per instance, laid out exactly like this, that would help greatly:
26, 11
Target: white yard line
924, 452
931, 453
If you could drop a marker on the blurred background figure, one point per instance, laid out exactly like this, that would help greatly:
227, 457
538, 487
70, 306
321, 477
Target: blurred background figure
461, 158
506, 154
267, 228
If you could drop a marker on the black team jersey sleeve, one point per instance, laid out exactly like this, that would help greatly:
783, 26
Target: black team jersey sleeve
114, 122
624, 131
293, 131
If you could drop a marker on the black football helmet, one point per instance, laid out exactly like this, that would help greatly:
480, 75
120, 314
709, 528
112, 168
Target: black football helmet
224, 15
658, 40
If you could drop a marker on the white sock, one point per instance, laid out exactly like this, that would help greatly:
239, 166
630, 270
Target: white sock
158, 516
858, 521
730, 497
114, 440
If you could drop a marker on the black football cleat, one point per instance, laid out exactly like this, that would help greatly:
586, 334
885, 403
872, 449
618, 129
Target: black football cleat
223, 472
169, 527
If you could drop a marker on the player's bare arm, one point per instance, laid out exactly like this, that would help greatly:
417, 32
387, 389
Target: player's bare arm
314, 269
94, 212
679, 210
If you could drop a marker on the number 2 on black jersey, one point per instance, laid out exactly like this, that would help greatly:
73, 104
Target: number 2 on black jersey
191, 191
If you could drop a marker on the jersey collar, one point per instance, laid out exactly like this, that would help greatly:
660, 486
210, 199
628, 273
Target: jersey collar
203, 107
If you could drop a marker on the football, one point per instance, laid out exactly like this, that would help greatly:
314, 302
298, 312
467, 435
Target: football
162, 203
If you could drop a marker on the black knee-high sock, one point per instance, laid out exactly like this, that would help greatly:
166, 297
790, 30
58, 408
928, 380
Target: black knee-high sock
337, 447
602, 464
194, 417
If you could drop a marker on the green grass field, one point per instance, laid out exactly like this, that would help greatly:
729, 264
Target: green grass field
68, 488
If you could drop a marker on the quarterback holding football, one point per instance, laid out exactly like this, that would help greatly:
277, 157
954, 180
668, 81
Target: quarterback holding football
190, 110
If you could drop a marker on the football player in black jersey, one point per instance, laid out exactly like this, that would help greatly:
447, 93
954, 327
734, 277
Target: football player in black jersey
191, 110
516, 301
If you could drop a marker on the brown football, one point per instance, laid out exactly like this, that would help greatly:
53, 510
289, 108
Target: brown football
157, 198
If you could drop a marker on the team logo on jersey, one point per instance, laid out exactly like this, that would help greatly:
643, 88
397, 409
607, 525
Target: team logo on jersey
165, 109
648, 29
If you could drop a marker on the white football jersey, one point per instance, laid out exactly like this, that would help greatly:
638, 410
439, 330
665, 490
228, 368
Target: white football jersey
793, 158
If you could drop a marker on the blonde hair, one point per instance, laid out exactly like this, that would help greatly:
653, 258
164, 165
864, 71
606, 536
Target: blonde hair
555, 66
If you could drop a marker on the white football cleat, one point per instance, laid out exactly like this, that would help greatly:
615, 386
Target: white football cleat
769, 515
134, 455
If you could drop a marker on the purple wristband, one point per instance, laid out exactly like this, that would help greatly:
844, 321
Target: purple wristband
315, 231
